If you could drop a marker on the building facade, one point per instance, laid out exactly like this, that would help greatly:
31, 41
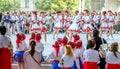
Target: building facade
27, 5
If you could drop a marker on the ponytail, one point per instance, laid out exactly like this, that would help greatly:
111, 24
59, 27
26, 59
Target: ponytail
32, 45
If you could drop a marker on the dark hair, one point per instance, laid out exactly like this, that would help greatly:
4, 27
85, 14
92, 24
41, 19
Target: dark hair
96, 33
114, 48
91, 44
104, 12
2, 30
32, 45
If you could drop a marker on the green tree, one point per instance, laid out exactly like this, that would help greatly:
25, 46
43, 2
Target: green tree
53, 5
6, 5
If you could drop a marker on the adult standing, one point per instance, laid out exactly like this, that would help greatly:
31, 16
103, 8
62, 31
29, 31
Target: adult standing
99, 41
32, 58
5, 49
6, 21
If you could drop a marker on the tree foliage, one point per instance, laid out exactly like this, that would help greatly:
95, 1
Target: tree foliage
6, 5
53, 5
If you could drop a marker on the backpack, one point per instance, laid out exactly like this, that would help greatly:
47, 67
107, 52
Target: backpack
103, 49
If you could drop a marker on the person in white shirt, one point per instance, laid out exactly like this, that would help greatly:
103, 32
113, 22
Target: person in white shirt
113, 57
34, 25
21, 47
68, 59
91, 56
57, 24
78, 51
87, 27
111, 22
74, 27
14, 20
5, 49
63, 44
42, 23
39, 45
55, 56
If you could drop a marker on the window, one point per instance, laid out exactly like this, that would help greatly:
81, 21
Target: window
26, 3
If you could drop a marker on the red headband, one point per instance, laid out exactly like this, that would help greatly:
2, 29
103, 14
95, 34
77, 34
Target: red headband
65, 40
116, 44
23, 36
38, 37
93, 42
59, 40
78, 44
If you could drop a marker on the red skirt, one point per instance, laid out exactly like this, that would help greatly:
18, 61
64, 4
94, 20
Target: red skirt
5, 58
112, 66
90, 65
67, 68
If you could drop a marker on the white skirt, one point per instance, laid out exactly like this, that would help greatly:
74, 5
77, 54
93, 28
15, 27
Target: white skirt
104, 26
110, 26
35, 28
58, 26
74, 27
87, 28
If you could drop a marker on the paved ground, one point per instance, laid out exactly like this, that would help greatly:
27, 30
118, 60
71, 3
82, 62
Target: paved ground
44, 66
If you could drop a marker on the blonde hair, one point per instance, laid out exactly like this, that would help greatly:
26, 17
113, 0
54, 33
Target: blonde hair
69, 51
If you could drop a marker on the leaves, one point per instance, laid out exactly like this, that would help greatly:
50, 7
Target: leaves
54, 5
6, 5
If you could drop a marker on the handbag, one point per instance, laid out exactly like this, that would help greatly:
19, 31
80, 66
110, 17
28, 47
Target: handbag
35, 60
103, 49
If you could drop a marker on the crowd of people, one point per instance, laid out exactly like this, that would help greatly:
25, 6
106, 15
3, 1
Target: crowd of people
68, 53
44, 22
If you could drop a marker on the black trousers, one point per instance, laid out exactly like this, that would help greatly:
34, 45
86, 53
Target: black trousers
102, 63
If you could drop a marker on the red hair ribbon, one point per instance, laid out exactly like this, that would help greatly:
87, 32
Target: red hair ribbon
65, 40
116, 44
93, 42
76, 37
78, 44
23, 36
56, 47
59, 40
38, 37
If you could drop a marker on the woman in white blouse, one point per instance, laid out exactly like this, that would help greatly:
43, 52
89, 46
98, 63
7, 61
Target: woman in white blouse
113, 57
68, 59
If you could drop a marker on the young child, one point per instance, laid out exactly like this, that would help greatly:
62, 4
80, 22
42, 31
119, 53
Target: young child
78, 51
39, 45
20, 49
73, 47
67, 60
55, 56
113, 57
91, 56
64, 44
